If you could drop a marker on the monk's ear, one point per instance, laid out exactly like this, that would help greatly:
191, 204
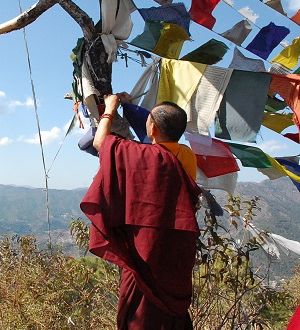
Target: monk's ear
154, 129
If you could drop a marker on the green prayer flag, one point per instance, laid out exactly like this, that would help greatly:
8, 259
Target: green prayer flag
250, 156
273, 104
209, 53
148, 39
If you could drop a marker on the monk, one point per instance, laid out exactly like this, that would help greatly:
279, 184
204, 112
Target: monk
142, 205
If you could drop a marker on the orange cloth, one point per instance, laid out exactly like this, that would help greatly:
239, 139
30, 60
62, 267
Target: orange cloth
288, 87
185, 155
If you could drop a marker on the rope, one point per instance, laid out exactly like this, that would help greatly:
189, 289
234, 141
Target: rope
39, 132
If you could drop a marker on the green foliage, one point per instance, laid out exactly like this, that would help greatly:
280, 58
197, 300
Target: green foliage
43, 291
227, 292
49, 290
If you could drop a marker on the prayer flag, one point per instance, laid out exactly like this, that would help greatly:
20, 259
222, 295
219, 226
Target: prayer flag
293, 167
214, 157
288, 87
226, 182
241, 62
163, 39
201, 12
250, 156
205, 102
277, 121
239, 32
163, 2
296, 17
290, 55
279, 170
267, 39
174, 13
293, 136
209, 53
241, 110
178, 81
137, 117
276, 5
274, 104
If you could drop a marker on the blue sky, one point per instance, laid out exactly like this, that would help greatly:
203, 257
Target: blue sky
51, 39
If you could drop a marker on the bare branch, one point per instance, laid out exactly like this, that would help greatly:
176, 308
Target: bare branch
27, 17
30, 15
80, 16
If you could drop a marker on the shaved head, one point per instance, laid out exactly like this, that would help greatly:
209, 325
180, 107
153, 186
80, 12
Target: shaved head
170, 119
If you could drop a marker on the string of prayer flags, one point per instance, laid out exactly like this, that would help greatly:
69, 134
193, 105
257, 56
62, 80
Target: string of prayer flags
267, 39
178, 81
276, 5
201, 12
241, 62
296, 18
163, 39
209, 53
174, 13
214, 157
238, 33
289, 56
241, 111
277, 122
205, 102
249, 156
137, 117
293, 136
288, 87
274, 104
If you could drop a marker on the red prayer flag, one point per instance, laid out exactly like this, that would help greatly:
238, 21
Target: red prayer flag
214, 159
201, 12
296, 17
293, 136
288, 87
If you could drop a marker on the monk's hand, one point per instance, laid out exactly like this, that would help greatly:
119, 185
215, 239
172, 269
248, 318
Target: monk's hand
112, 103
125, 97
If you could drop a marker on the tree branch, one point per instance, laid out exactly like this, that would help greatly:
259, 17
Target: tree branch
80, 16
30, 15
27, 16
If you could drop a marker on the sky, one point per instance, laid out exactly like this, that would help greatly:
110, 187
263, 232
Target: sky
51, 39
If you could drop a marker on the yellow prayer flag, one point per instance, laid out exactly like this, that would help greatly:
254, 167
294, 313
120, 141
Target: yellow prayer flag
290, 55
178, 81
282, 169
277, 122
171, 40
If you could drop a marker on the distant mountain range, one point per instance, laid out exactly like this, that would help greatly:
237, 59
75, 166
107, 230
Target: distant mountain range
23, 210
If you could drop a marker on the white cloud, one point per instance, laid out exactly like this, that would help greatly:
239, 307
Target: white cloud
47, 136
249, 14
229, 2
28, 103
8, 105
272, 145
5, 141
294, 4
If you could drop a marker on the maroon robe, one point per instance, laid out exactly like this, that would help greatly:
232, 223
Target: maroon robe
142, 208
